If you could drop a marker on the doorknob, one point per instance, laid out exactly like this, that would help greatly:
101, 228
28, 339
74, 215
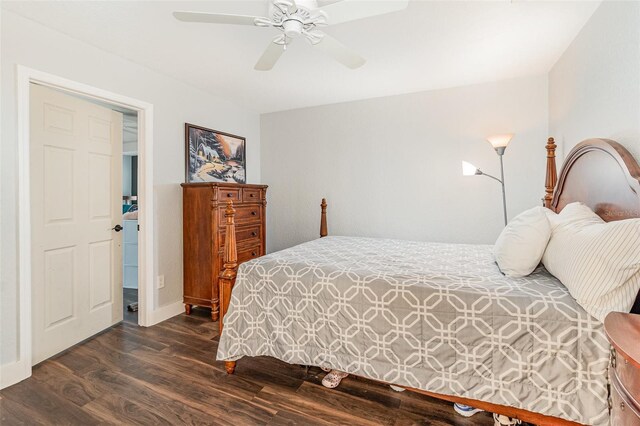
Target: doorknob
117, 228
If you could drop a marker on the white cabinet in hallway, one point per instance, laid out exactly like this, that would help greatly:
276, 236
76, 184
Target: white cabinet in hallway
130, 253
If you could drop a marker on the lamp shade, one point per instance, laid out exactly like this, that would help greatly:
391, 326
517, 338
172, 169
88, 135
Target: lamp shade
468, 169
500, 141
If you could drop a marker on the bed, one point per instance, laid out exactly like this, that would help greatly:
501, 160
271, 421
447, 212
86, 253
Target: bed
439, 319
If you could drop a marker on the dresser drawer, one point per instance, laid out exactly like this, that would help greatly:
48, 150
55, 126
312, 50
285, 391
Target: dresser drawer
623, 411
244, 254
251, 195
244, 235
225, 194
249, 253
628, 375
244, 214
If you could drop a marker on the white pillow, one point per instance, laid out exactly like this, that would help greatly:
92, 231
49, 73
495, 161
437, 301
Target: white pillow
598, 262
522, 242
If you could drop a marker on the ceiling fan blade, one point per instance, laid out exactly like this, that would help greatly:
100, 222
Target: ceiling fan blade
270, 56
338, 51
350, 10
214, 18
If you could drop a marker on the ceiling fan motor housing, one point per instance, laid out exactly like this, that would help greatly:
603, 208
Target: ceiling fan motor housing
294, 19
292, 27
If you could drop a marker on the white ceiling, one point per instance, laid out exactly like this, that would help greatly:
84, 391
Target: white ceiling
430, 45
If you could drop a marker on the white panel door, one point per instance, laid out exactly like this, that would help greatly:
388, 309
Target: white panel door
76, 198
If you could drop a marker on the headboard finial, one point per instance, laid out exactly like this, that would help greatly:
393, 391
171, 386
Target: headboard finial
323, 218
552, 175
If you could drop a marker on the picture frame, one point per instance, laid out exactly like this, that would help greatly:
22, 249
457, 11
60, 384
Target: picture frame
214, 156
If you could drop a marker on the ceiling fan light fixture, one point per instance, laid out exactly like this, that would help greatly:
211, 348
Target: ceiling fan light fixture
292, 28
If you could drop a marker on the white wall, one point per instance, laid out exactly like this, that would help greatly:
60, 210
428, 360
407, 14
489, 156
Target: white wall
390, 167
27, 43
594, 88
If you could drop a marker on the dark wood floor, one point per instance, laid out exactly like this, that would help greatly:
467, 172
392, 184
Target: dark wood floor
166, 374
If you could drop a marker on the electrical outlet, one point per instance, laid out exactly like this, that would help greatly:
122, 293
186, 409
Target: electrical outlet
160, 281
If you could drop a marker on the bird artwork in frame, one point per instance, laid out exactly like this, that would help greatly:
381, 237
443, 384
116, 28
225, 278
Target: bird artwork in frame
213, 156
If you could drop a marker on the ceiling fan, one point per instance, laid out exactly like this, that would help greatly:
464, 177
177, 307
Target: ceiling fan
296, 18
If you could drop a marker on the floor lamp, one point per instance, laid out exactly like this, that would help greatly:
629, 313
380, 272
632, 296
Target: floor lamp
499, 143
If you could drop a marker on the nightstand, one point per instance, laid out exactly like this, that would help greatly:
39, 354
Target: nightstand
623, 331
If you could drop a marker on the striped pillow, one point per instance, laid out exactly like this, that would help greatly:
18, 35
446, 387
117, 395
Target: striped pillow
598, 262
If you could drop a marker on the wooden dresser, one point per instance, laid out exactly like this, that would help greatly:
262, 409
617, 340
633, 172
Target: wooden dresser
203, 235
623, 331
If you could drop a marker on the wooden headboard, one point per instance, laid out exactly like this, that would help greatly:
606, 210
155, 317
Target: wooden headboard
600, 173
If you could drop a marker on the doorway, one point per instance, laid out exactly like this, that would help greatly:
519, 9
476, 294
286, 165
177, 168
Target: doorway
84, 218
130, 211
26, 78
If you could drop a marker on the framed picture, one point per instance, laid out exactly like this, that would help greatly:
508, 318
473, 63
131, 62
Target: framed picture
214, 156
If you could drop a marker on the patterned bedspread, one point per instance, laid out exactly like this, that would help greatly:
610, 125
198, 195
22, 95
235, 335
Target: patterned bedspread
438, 317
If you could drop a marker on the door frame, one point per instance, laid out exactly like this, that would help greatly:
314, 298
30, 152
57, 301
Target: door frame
25, 77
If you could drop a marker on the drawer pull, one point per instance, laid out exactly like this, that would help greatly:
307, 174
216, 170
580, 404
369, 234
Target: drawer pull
622, 406
229, 194
253, 234
253, 253
252, 195
254, 213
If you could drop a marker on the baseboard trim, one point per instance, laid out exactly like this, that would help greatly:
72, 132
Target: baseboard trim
14, 372
165, 312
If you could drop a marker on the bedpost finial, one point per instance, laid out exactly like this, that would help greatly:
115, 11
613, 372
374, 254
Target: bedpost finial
229, 210
551, 175
323, 219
